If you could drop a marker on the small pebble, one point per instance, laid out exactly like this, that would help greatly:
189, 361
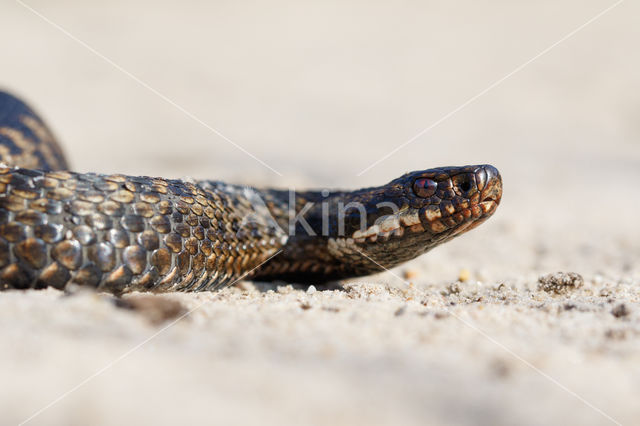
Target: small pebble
464, 275
620, 311
441, 315
285, 289
453, 288
311, 289
305, 306
411, 274
400, 311
560, 282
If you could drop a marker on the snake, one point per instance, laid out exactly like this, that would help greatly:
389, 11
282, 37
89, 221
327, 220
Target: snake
118, 234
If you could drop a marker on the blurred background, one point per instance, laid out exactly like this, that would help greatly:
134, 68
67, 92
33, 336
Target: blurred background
324, 89
320, 91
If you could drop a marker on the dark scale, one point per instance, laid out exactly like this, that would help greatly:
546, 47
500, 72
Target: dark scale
121, 233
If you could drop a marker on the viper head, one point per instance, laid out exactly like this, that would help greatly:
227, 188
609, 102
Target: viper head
340, 234
419, 210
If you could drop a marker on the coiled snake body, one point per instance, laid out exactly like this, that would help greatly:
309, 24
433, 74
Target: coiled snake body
122, 233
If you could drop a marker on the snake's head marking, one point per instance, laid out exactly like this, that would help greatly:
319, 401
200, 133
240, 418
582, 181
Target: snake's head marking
419, 210
454, 199
343, 234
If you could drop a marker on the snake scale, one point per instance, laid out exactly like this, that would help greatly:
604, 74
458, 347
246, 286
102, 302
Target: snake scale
120, 233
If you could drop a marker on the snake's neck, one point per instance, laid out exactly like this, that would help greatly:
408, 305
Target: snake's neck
311, 214
320, 226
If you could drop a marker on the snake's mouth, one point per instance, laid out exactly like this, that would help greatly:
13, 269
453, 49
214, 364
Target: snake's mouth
409, 222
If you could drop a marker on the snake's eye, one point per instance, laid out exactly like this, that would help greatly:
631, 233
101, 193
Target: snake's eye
424, 187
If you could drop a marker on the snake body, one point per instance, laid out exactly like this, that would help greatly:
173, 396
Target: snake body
120, 233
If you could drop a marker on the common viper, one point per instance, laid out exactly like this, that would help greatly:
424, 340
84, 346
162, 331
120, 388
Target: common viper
122, 233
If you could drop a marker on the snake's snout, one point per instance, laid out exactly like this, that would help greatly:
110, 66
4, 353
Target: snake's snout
489, 183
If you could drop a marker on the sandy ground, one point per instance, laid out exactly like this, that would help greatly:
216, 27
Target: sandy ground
320, 92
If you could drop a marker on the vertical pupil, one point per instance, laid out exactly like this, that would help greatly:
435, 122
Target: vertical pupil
424, 187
